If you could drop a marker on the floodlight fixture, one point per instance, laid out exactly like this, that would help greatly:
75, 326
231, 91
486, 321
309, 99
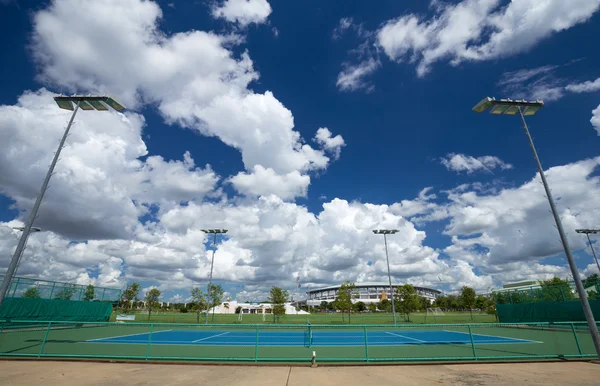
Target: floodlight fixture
215, 231
508, 106
72, 103
385, 231
33, 229
587, 231
88, 102
529, 108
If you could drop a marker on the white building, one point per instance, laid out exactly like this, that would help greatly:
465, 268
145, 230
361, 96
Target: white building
367, 292
253, 308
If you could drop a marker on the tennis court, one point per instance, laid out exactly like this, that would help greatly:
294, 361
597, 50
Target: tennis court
308, 338
295, 343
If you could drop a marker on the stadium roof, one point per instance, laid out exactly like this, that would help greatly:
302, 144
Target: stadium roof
368, 284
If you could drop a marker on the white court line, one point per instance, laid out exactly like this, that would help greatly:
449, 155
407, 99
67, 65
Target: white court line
407, 337
210, 337
496, 336
123, 336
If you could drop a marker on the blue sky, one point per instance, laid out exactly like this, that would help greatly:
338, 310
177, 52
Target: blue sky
242, 86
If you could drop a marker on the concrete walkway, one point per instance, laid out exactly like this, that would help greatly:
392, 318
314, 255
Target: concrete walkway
47, 373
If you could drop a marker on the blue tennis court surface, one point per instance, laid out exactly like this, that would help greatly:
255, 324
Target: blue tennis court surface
299, 338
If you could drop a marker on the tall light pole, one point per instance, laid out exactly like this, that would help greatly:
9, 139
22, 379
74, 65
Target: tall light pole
587, 233
33, 229
386, 232
525, 108
215, 232
85, 102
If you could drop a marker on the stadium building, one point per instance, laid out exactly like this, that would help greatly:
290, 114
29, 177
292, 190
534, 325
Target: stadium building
364, 292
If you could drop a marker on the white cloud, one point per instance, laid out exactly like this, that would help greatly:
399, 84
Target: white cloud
596, 119
192, 77
589, 86
515, 224
420, 205
344, 24
262, 182
331, 144
243, 12
99, 175
351, 78
469, 164
475, 30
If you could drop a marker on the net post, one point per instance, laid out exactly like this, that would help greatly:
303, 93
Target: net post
576, 339
256, 346
366, 343
149, 340
45, 339
472, 342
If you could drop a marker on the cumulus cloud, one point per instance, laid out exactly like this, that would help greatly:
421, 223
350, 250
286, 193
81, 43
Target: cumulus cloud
263, 182
469, 164
192, 77
243, 12
475, 30
596, 119
329, 143
515, 224
99, 179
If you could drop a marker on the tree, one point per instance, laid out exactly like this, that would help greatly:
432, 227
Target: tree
591, 280
89, 293
359, 306
385, 305
372, 307
423, 303
344, 298
215, 297
467, 298
323, 306
66, 293
238, 309
556, 290
32, 293
130, 295
406, 300
332, 306
278, 297
481, 302
199, 302
152, 300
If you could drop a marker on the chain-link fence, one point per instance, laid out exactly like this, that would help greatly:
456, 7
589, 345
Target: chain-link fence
48, 289
296, 342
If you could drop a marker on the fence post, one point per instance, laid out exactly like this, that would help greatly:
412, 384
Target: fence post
576, 339
45, 338
16, 286
256, 346
366, 343
52, 290
472, 342
149, 340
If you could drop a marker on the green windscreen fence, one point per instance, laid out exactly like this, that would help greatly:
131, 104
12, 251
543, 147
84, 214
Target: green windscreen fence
54, 310
545, 312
